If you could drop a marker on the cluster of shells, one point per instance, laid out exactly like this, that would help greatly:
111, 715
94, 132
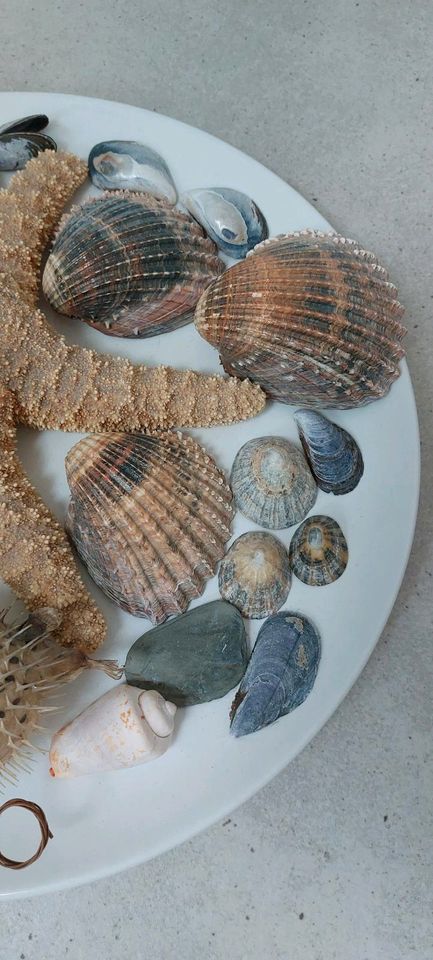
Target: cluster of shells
310, 317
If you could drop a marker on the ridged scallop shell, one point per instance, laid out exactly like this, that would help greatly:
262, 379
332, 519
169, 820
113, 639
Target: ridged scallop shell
310, 317
232, 220
280, 674
149, 517
255, 575
129, 265
318, 551
128, 165
332, 453
271, 482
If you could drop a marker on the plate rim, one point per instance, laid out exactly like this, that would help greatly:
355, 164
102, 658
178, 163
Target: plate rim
248, 792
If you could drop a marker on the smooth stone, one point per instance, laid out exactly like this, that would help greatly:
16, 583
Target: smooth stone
194, 658
280, 674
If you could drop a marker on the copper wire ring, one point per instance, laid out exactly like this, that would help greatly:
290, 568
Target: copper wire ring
46, 834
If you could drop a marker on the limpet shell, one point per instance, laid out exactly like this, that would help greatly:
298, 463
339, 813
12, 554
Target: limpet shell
271, 482
318, 551
232, 220
333, 455
255, 575
129, 265
149, 517
280, 674
311, 317
128, 165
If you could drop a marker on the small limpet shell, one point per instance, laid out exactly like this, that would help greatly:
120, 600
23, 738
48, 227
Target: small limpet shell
233, 221
280, 674
333, 455
255, 575
271, 482
318, 551
128, 165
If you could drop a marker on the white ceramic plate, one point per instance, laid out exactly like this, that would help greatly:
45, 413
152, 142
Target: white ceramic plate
106, 823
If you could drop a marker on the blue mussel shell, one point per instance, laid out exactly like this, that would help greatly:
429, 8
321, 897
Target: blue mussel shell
280, 673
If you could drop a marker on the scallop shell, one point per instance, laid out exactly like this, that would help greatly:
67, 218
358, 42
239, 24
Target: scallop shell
232, 220
280, 674
318, 551
16, 149
149, 517
271, 483
128, 165
310, 317
129, 265
333, 455
123, 728
255, 575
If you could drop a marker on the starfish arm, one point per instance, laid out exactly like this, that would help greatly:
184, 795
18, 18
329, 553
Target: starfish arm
68, 387
35, 557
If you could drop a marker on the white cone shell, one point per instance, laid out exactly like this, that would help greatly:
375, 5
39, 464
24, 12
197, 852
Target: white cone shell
125, 727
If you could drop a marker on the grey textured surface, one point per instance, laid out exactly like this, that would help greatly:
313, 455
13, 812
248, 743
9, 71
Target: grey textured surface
334, 858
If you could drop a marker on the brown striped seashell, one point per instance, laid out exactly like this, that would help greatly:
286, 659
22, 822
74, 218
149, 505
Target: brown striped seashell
129, 265
149, 517
309, 316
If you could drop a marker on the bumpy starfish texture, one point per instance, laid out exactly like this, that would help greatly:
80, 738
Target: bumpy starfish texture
68, 387
35, 556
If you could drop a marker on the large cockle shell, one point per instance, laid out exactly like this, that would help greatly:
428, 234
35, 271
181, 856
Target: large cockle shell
271, 482
333, 455
232, 220
128, 165
129, 265
255, 575
280, 674
123, 728
310, 317
33, 668
318, 551
16, 149
149, 517
194, 658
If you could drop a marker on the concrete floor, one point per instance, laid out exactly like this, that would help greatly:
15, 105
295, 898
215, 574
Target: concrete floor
334, 858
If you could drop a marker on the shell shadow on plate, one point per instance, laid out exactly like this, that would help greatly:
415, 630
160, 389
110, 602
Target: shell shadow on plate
333, 455
318, 551
255, 575
129, 265
280, 674
311, 317
128, 165
149, 517
230, 218
271, 482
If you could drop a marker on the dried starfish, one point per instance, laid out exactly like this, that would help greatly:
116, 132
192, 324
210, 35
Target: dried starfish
66, 387
35, 557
